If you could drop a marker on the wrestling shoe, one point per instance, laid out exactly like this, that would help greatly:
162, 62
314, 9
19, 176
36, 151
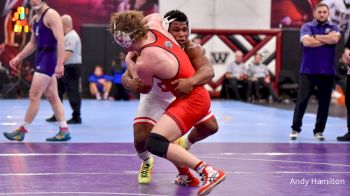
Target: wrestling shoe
61, 136
17, 135
187, 179
211, 178
145, 173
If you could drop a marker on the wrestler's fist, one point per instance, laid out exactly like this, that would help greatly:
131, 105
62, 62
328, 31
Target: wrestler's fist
14, 64
59, 70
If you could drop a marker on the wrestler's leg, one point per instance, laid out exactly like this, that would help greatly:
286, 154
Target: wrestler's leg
51, 94
38, 86
141, 133
165, 131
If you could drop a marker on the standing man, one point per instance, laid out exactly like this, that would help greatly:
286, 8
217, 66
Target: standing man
48, 40
69, 83
318, 39
160, 56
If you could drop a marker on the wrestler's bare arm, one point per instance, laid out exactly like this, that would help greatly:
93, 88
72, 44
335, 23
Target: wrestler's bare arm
53, 21
130, 80
144, 70
202, 64
130, 60
204, 70
29, 48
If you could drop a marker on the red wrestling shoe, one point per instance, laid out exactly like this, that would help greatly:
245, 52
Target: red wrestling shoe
187, 179
211, 178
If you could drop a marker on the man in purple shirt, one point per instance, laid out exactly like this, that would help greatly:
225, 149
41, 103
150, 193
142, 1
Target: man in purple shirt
318, 39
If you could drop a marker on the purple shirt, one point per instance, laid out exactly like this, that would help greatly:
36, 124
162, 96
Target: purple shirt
318, 60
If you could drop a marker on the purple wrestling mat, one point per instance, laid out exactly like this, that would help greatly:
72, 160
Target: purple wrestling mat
111, 169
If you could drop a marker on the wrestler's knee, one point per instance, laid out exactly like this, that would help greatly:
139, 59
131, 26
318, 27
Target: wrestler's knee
212, 126
141, 134
157, 145
50, 96
34, 95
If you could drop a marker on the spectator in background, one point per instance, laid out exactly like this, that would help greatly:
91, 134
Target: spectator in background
236, 74
118, 68
317, 69
69, 83
100, 83
260, 77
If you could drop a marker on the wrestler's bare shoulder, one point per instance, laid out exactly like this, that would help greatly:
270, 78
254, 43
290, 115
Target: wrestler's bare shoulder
193, 49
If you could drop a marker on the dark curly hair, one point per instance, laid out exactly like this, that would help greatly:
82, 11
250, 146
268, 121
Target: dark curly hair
178, 15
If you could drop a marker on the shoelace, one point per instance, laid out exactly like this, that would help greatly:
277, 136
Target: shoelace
203, 176
145, 169
17, 134
60, 136
210, 178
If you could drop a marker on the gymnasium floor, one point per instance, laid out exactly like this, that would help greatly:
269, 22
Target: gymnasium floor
252, 146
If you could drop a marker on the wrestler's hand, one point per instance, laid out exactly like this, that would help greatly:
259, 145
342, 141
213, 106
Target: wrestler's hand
140, 86
134, 84
14, 65
59, 70
183, 86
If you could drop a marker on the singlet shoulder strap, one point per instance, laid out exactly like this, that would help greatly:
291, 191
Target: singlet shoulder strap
153, 43
160, 37
42, 16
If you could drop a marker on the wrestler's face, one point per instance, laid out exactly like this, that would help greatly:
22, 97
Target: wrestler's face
321, 14
36, 4
180, 31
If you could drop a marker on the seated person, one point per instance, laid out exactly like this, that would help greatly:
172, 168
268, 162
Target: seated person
118, 67
236, 74
260, 77
100, 83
